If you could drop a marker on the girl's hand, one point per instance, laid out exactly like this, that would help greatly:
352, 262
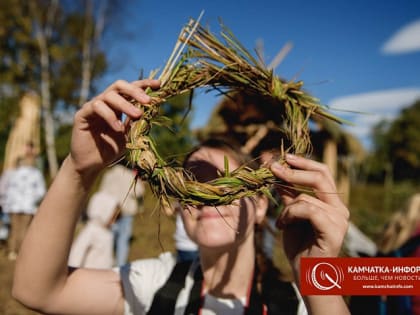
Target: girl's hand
98, 136
314, 224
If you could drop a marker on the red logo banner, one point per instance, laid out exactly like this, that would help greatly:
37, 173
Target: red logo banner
360, 276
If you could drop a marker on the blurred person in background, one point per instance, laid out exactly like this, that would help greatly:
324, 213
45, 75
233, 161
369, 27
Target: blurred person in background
4, 217
93, 246
24, 188
120, 182
401, 238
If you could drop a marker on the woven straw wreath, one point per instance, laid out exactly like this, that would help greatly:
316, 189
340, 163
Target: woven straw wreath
201, 59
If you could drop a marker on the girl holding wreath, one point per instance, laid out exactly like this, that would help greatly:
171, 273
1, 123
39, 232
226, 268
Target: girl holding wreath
222, 281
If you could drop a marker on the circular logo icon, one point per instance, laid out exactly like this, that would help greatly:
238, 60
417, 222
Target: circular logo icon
325, 276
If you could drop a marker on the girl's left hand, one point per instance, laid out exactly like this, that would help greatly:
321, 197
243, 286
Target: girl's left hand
99, 136
314, 224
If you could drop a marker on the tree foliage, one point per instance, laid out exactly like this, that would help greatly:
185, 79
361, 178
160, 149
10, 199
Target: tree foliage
397, 146
175, 139
404, 145
379, 158
73, 30
21, 69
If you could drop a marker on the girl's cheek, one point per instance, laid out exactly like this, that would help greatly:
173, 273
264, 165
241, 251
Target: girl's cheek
189, 213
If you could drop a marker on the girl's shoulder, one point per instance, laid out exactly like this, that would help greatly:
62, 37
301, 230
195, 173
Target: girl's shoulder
163, 263
142, 278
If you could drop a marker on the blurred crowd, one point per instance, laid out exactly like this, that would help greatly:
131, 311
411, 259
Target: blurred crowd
103, 240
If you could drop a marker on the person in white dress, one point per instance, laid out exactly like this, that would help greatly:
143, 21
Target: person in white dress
120, 182
24, 188
94, 245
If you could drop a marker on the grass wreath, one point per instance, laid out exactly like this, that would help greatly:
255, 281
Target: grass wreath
201, 59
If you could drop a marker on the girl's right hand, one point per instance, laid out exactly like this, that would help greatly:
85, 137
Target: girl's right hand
98, 136
314, 224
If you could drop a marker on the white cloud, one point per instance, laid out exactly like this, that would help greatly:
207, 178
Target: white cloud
372, 102
374, 106
405, 40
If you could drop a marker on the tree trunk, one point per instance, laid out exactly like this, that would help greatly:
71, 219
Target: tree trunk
90, 45
343, 182
388, 185
42, 36
330, 156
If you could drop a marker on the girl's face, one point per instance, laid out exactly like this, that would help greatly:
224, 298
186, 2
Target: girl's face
221, 226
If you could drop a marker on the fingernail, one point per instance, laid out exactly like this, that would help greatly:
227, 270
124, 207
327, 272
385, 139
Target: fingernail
290, 157
277, 166
118, 125
146, 99
136, 111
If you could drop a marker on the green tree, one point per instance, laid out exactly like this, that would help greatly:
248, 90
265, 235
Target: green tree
396, 152
43, 50
404, 145
174, 138
379, 158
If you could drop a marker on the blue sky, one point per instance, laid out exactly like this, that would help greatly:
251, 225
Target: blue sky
353, 55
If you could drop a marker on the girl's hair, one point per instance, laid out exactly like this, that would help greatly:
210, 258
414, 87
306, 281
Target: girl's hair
401, 226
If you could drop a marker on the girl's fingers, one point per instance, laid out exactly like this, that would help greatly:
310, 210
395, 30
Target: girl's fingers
317, 178
325, 213
328, 228
113, 98
154, 84
102, 110
129, 89
134, 89
308, 208
287, 194
300, 211
120, 104
310, 165
335, 213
